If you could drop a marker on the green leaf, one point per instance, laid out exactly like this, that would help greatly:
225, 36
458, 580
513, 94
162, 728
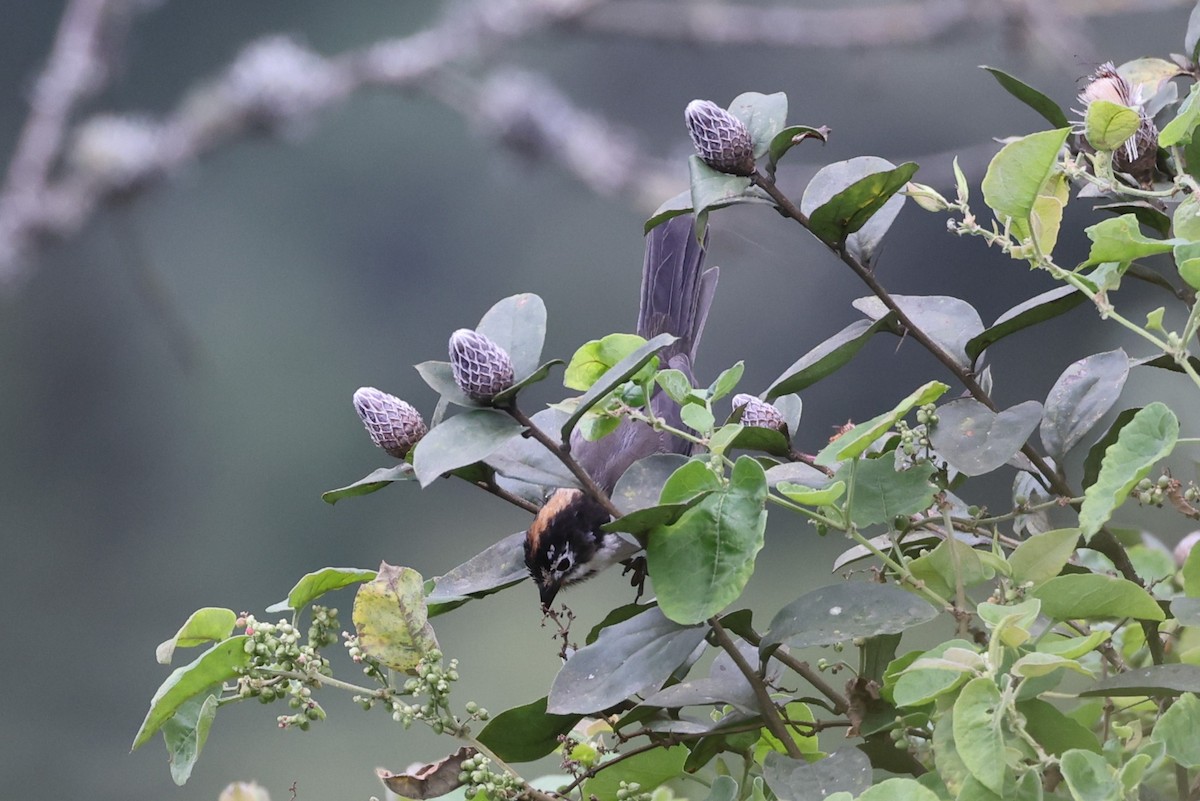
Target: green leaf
1107, 125
833, 180
218, 664
643, 521
1031, 97
1156, 681
1043, 556
950, 561
950, 322
1190, 573
974, 440
1056, 732
1147, 214
1144, 440
313, 585
1074, 647
917, 686
675, 207
827, 357
698, 418
764, 116
726, 381
1037, 309
689, 481
375, 480
1080, 397
851, 209
724, 788
899, 789
539, 374
204, 625
526, 459
391, 619
1089, 777
715, 190
628, 658
440, 378
1120, 239
855, 442
788, 138
498, 566
978, 733
1180, 129
810, 496
753, 438
1038, 663
1016, 175
462, 440
526, 733
842, 612
185, 734
648, 770
1095, 456
641, 486
1177, 728
676, 384
618, 374
518, 325
702, 562
595, 358
845, 770
881, 492
1095, 597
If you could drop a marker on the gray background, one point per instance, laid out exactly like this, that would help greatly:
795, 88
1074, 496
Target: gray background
135, 487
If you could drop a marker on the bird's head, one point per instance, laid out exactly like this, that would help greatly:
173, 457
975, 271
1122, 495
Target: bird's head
565, 544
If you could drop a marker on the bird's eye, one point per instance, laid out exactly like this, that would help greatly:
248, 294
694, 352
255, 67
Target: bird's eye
564, 565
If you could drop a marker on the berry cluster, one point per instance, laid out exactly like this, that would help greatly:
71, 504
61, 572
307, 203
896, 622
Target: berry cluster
914, 441
479, 778
631, 791
276, 650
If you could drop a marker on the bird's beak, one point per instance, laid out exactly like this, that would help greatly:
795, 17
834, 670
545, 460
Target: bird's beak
548, 591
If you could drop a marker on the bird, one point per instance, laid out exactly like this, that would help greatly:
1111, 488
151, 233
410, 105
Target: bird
565, 543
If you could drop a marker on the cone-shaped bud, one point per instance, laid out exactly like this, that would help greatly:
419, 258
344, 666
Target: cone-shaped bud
722, 140
481, 368
393, 424
758, 413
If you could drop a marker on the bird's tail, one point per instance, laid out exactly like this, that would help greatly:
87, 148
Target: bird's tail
676, 290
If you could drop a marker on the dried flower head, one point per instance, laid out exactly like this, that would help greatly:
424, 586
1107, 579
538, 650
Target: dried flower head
758, 413
482, 369
393, 424
722, 140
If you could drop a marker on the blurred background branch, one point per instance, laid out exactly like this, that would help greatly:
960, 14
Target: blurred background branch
61, 170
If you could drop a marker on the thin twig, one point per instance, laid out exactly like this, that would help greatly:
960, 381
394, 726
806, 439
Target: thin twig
770, 712
588, 484
495, 489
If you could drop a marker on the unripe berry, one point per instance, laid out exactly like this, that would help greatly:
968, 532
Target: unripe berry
758, 413
393, 424
482, 369
722, 140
